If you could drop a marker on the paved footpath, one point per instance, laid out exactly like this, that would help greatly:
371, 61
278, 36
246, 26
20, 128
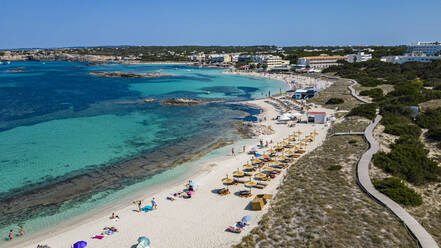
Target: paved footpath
423, 238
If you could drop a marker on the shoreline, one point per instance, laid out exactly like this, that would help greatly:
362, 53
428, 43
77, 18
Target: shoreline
205, 174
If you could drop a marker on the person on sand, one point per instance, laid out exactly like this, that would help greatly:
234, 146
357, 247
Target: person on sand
10, 234
154, 204
114, 216
243, 148
139, 206
20, 230
232, 151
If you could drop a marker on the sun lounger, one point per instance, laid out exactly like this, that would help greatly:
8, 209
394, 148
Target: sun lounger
245, 193
98, 237
223, 191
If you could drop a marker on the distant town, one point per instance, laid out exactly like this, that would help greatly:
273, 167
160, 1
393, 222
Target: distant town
251, 58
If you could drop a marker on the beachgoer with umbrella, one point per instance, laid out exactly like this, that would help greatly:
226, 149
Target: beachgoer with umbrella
143, 242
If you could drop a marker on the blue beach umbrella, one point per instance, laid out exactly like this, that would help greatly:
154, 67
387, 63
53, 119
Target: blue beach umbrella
143, 242
80, 244
247, 218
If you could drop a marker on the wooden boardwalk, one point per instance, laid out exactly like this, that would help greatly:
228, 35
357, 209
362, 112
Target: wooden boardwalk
420, 234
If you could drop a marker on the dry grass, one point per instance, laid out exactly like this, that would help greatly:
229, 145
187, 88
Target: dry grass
318, 207
432, 104
338, 89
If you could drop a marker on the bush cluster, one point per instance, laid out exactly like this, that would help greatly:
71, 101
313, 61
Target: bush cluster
398, 191
403, 129
408, 160
335, 100
364, 110
376, 94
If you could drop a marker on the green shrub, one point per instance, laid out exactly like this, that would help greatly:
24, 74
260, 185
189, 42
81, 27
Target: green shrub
393, 119
429, 119
398, 191
434, 134
403, 129
376, 94
408, 160
335, 101
364, 110
352, 141
335, 167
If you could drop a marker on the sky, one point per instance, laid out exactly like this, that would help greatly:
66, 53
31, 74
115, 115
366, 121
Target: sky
67, 23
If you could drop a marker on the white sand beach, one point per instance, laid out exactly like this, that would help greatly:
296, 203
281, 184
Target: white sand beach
197, 222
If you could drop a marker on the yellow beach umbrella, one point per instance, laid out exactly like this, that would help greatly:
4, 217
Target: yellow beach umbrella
314, 133
259, 175
250, 183
248, 167
278, 147
256, 161
271, 151
266, 156
238, 173
298, 132
289, 153
283, 157
228, 180
276, 163
301, 144
283, 143
269, 169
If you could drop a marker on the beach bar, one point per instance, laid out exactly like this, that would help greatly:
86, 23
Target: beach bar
317, 117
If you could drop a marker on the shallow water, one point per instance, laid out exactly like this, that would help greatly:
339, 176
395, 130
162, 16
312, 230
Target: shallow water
60, 125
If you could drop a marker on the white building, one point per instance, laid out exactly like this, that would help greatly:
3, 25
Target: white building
404, 59
220, 58
319, 62
424, 48
274, 61
358, 57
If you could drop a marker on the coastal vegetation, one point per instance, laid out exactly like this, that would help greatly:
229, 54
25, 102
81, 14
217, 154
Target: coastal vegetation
408, 80
335, 100
319, 204
409, 107
376, 94
364, 110
397, 191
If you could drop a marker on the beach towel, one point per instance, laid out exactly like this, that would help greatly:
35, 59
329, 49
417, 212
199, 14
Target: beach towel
98, 237
146, 208
109, 232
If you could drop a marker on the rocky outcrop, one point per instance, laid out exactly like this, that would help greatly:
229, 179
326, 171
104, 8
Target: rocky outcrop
112, 74
184, 101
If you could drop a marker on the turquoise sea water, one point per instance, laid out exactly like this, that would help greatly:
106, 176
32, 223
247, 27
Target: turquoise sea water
58, 123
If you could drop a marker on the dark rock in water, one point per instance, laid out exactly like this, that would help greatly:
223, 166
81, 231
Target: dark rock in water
185, 101
47, 199
112, 74
16, 71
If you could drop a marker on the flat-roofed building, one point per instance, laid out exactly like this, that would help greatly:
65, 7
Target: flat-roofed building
404, 59
275, 61
358, 57
317, 117
424, 48
319, 62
